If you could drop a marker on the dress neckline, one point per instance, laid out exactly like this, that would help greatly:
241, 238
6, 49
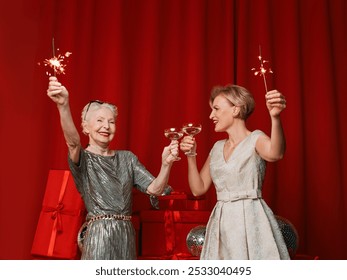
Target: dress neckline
94, 154
235, 149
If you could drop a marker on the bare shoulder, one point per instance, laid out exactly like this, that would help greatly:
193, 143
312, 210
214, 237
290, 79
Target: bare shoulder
262, 142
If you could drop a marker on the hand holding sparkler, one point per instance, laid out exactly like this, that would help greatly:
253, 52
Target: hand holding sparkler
275, 102
57, 92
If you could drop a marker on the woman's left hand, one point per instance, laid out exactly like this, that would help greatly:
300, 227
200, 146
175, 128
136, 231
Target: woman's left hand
275, 102
170, 153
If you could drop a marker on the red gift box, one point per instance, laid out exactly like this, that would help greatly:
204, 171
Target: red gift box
197, 203
164, 233
183, 202
173, 201
61, 217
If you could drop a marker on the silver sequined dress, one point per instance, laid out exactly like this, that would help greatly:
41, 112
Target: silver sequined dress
105, 183
241, 225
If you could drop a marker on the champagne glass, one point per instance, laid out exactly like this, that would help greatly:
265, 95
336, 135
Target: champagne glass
191, 129
173, 133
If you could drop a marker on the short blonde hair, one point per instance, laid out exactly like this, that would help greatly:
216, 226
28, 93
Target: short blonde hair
238, 96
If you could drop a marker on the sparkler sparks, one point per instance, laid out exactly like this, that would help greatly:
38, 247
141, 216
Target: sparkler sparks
262, 70
57, 63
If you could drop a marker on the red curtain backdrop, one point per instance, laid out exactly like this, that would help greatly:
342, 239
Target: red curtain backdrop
157, 60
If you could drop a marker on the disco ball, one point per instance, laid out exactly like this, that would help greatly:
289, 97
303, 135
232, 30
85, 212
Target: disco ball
290, 235
195, 240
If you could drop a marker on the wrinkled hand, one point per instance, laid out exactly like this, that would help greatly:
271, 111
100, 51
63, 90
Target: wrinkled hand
170, 153
275, 102
187, 144
57, 92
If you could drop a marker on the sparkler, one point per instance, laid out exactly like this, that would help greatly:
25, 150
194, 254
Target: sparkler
57, 63
262, 71
53, 53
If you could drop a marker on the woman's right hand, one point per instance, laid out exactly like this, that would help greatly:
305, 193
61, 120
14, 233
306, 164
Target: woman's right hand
57, 92
188, 144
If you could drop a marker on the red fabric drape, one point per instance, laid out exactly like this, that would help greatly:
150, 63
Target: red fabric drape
158, 60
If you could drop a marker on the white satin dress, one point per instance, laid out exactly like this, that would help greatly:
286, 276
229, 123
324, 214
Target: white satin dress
241, 225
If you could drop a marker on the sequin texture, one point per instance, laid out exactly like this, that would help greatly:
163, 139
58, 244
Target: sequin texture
105, 184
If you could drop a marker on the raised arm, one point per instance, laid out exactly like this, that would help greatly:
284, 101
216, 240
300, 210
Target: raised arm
168, 158
273, 148
199, 182
58, 93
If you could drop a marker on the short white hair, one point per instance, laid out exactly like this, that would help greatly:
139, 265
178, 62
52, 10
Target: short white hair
95, 105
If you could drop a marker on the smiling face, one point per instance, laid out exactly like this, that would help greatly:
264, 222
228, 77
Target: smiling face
100, 125
223, 113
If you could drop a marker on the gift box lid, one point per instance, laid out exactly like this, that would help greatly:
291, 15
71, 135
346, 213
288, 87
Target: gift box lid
61, 187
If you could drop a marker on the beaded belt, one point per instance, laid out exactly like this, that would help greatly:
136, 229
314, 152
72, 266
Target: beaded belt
109, 217
84, 228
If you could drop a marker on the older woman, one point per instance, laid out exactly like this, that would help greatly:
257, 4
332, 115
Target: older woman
241, 225
105, 177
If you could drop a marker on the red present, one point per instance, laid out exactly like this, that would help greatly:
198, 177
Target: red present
61, 217
164, 233
181, 201
197, 203
173, 201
